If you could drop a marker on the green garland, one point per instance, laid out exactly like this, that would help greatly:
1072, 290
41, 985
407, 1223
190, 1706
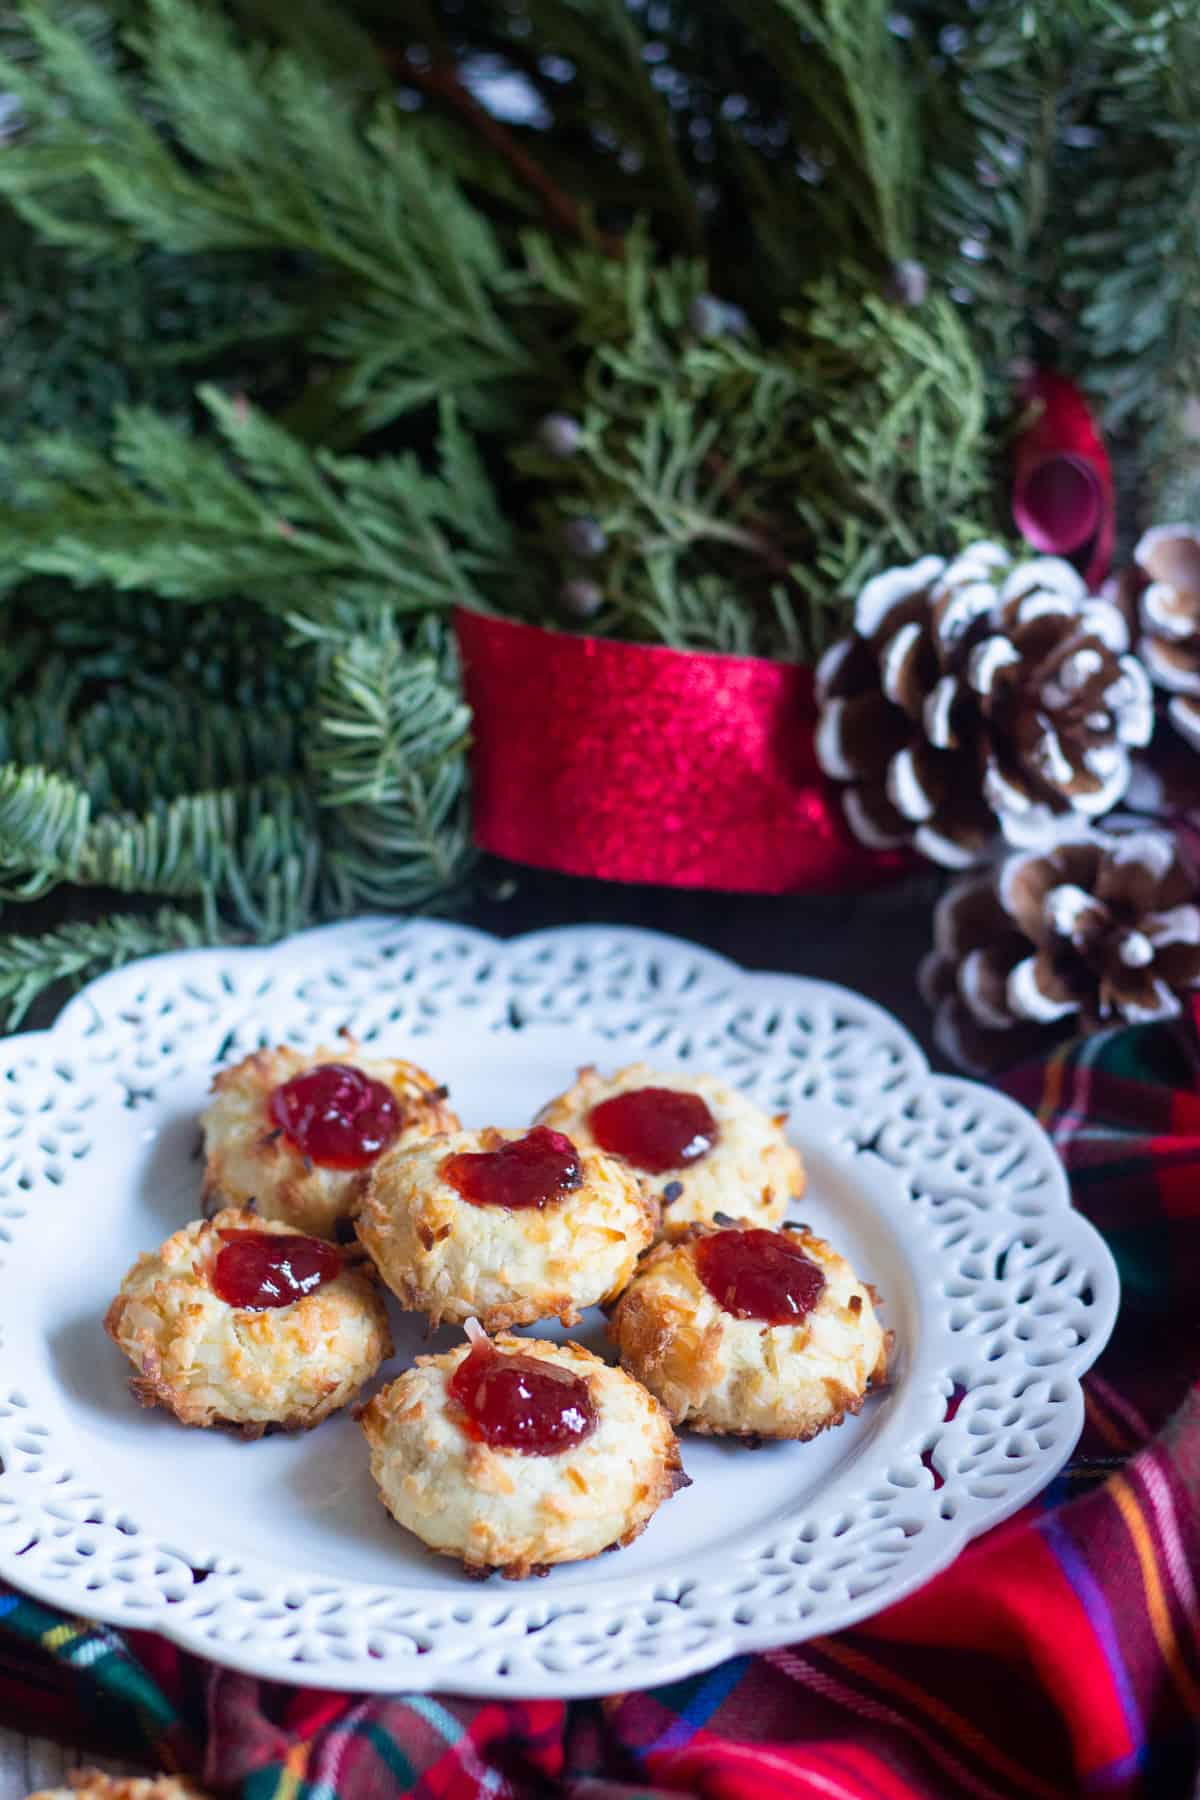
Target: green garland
285, 308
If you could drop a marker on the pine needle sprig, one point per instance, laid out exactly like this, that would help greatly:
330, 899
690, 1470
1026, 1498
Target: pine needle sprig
851, 102
301, 530
31, 965
218, 846
1006, 101
80, 338
1132, 264
745, 491
133, 748
389, 773
266, 152
44, 822
225, 844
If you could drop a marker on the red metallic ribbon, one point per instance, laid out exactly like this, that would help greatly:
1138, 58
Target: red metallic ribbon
1062, 498
638, 763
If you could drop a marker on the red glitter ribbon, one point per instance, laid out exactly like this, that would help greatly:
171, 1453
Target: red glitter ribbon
1062, 498
638, 763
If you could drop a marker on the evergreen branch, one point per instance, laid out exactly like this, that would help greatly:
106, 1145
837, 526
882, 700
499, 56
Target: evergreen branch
999, 110
44, 822
121, 649
1132, 265
292, 746
129, 748
265, 153
745, 493
303, 530
31, 964
78, 342
129, 753
226, 843
852, 102
232, 845
389, 770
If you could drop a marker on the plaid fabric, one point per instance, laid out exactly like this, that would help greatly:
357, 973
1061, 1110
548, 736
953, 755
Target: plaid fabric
1059, 1656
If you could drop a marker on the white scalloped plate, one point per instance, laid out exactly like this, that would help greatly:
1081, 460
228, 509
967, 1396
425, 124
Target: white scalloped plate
277, 1558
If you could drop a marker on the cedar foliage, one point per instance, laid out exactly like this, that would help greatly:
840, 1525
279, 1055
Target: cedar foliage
288, 290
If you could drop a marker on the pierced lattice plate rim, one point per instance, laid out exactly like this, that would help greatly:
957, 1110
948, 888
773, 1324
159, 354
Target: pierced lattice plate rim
275, 1558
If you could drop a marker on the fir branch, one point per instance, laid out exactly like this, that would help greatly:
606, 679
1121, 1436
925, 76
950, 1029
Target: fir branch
44, 821
253, 848
225, 844
303, 531
901, 461
744, 493
851, 103
1133, 263
266, 152
129, 749
32, 964
78, 340
119, 647
1004, 109
389, 772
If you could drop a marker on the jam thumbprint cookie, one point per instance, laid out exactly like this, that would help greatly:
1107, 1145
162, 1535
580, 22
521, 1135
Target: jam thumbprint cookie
518, 1454
698, 1147
296, 1133
751, 1333
238, 1321
504, 1226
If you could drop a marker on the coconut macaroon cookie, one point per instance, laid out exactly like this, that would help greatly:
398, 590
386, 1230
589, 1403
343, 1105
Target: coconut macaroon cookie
752, 1333
697, 1146
238, 1321
503, 1226
518, 1454
296, 1132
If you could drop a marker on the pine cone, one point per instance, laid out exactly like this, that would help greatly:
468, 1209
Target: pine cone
1167, 573
979, 694
1103, 929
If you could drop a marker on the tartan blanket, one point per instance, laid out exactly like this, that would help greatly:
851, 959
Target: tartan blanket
1059, 1656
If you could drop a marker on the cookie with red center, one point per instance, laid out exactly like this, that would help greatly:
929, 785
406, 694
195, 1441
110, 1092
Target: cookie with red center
503, 1226
240, 1321
697, 1146
752, 1333
515, 1454
297, 1132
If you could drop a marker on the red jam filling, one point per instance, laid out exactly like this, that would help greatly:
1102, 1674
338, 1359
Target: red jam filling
258, 1269
533, 1170
759, 1275
337, 1116
521, 1403
655, 1128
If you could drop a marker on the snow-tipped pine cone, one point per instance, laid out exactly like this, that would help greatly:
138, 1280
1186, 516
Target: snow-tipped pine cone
977, 695
1102, 930
1166, 580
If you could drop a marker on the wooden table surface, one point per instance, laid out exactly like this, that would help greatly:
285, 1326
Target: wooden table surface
871, 942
